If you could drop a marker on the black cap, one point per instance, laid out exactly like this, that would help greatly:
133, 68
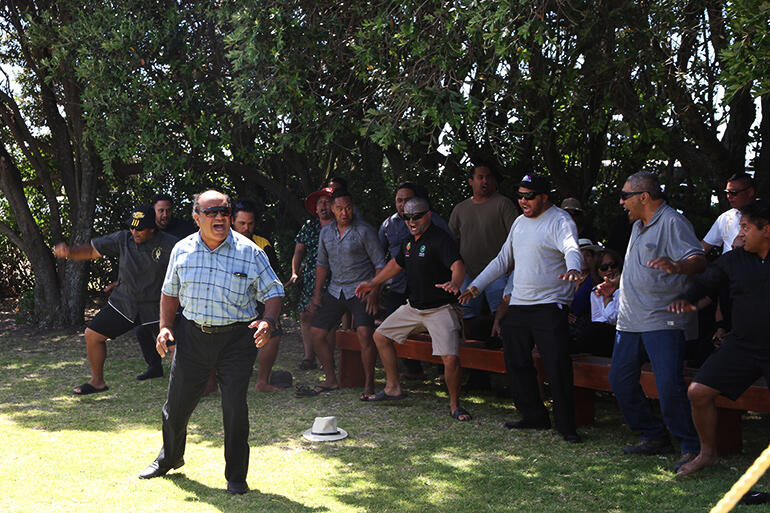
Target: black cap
141, 218
281, 379
537, 183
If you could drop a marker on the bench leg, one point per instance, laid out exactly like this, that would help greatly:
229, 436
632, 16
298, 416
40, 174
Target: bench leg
351, 370
585, 400
729, 433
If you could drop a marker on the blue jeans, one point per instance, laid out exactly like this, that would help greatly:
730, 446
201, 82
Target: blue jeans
666, 351
493, 294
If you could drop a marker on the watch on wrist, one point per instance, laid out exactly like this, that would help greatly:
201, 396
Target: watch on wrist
270, 321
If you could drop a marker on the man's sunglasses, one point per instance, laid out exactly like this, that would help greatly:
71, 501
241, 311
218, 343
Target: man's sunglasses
529, 196
624, 195
213, 211
415, 216
735, 193
607, 267
138, 229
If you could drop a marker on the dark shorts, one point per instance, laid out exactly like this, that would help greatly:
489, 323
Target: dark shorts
731, 370
112, 324
328, 316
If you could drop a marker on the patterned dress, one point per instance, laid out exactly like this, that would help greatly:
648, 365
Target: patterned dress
308, 235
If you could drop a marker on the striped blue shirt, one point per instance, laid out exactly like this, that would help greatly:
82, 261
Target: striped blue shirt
222, 286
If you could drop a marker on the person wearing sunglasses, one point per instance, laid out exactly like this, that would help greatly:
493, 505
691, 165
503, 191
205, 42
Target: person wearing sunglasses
143, 254
217, 277
604, 308
393, 232
662, 251
543, 243
740, 192
480, 225
434, 273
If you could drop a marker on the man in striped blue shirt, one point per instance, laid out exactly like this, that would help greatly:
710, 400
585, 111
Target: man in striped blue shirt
217, 276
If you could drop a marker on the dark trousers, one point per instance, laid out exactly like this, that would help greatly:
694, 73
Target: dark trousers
545, 326
232, 354
145, 335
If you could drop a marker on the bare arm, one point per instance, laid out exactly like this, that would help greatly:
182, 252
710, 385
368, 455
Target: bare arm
321, 273
168, 307
82, 252
300, 250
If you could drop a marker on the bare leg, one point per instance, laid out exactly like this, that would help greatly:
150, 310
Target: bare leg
96, 350
265, 360
307, 340
325, 353
452, 378
368, 357
704, 416
390, 362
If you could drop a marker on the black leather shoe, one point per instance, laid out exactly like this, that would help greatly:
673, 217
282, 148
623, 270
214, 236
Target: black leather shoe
660, 445
234, 488
155, 470
528, 424
151, 372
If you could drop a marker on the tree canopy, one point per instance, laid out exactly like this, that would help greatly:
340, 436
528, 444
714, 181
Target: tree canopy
268, 99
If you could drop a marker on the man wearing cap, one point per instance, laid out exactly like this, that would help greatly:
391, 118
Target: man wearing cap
393, 232
350, 251
543, 243
143, 254
245, 222
303, 265
480, 225
663, 249
217, 276
434, 273
573, 207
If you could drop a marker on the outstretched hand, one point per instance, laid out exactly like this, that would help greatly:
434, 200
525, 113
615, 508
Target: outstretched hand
264, 330
665, 264
572, 275
681, 306
469, 294
449, 287
608, 286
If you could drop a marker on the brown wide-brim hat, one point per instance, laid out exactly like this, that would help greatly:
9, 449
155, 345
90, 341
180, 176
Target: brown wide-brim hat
313, 197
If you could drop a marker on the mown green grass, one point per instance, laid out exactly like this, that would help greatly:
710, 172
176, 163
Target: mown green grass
82, 454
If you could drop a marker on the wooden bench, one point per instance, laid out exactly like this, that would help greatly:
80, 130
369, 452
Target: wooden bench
590, 374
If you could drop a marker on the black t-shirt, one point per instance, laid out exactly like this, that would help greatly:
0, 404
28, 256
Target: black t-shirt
746, 278
141, 270
180, 228
428, 261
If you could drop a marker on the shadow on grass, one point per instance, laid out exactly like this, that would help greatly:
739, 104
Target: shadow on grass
252, 501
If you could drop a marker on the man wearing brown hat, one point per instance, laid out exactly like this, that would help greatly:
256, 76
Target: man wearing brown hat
143, 253
303, 266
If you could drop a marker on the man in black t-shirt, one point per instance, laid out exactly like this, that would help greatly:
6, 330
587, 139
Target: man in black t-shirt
744, 353
434, 274
143, 252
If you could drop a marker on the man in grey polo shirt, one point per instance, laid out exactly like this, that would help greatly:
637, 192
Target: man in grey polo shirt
349, 249
662, 250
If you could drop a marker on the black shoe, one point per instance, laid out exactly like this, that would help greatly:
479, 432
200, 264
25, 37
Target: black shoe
155, 470
655, 446
686, 458
234, 488
572, 438
151, 372
528, 424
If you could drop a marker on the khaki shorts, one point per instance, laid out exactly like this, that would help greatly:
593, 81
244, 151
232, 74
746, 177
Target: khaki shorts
442, 323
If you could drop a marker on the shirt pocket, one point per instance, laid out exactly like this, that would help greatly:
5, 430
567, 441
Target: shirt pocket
239, 285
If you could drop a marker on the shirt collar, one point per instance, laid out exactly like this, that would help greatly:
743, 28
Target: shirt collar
230, 240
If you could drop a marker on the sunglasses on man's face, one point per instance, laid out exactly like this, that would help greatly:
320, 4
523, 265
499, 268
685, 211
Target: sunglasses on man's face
213, 211
529, 196
138, 229
624, 195
735, 192
607, 267
415, 216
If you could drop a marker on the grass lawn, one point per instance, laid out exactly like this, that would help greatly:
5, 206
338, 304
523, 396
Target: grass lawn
66, 453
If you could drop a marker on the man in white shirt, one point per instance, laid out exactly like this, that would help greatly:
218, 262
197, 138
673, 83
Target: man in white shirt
544, 244
740, 192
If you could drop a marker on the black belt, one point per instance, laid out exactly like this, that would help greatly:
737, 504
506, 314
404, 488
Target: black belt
220, 329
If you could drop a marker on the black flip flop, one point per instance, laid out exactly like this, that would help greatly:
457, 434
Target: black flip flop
460, 411
87, 389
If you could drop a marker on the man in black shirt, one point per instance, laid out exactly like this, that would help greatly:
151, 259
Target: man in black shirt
434, 274
744, 354
143, 252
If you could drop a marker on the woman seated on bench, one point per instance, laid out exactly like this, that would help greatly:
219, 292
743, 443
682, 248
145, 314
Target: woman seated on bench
604, 308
